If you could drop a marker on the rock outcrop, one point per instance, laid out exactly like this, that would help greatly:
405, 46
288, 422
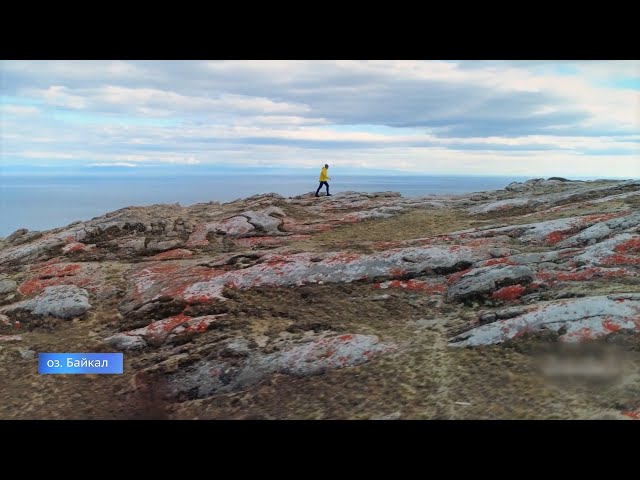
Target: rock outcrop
214, 299
61, 301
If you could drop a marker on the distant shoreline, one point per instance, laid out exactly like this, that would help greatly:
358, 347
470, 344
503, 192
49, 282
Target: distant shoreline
43, 202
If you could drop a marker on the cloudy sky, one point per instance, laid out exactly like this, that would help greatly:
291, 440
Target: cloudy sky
532, 118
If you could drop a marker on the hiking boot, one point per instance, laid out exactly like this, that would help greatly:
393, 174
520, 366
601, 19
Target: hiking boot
329, 195
317, 195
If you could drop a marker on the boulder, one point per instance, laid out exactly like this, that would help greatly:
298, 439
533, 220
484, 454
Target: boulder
7, 286
575, 320
209, 377
62, 301
481, 282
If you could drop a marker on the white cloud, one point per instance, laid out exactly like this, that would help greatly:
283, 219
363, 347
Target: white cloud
19, 109
489, 117
114, 164
59, 96
46, 155
155, 102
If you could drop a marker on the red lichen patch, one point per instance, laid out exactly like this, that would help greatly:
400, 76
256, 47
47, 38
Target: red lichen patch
620, 259
171, 280
510, 293
555, 237
276, 261
581, 275
166, 325
351, 218
145, 278
397, 272
608, 325
36, 285
198, 237
496, 261
60, 270
288, 224
632, 414
69, 239
630, 246
346, 257
415, 285
74, 247
51, 275
545, 275
171, 254
160, 329
456, 276
603, 217
198, 324
52, 261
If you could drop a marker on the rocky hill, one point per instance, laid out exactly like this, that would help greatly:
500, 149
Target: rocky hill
517, 303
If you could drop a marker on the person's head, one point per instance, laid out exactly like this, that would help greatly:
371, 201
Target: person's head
326, 165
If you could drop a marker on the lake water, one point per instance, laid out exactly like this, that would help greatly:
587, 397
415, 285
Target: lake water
44, 202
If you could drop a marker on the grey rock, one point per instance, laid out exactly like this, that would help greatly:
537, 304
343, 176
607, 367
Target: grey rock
126, 342
132, 244
27, 238
27, 354
378, 298
575, 321
162, 245
7, 286
17, 234
485, 280
62, 301
510, 312
599, 231
239, 346
265, 221
487, 318
311, 358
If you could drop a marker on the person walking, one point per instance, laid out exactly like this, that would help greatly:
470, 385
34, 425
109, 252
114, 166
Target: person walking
323, 180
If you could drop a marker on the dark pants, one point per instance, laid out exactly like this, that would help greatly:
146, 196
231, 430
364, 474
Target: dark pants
320, 186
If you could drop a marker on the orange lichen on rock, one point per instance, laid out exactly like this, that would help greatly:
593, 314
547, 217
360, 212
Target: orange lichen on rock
512, 292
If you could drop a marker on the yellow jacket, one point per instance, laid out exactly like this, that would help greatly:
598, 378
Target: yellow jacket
323, 175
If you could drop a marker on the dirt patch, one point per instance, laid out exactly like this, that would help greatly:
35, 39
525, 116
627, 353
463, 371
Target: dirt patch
416, 223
